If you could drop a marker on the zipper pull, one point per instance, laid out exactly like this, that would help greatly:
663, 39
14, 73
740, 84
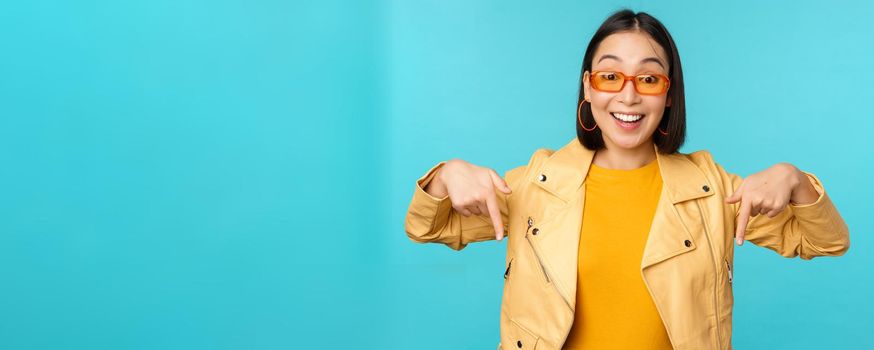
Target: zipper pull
507, 272
530, 223
730, 277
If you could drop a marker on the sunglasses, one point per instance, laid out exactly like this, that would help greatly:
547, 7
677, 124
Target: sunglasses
644, 84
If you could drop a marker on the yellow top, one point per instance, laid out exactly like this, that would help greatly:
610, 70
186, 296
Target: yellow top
614, 309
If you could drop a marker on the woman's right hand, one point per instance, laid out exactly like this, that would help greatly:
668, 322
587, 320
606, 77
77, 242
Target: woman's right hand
471, 189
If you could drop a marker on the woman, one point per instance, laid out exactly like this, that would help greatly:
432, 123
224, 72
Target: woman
617, 240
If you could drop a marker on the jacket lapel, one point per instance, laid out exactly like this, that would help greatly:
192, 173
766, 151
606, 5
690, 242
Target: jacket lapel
563, 176
676, 218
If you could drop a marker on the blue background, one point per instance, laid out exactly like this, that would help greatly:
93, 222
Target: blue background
234, 174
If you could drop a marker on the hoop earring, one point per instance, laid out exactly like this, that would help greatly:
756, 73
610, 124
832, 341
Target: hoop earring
581, 119
663, 132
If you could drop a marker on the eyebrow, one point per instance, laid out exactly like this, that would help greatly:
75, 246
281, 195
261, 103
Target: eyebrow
648, 59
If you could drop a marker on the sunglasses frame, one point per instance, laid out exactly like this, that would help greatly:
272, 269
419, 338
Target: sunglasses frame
626, 78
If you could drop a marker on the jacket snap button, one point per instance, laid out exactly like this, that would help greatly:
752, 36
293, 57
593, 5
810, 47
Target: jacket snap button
542, 178
535, 231
688, 243
705, 188
519, 344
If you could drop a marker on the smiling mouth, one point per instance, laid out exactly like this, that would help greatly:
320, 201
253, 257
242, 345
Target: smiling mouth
627, 118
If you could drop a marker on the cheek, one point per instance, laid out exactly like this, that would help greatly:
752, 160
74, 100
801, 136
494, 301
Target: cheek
655, 106
600, 106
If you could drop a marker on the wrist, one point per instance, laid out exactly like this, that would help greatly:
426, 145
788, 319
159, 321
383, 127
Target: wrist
436, 186
804, 192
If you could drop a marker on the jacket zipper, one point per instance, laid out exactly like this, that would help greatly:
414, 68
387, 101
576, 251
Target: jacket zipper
507, 271
542, 266
716, 275
727, 265
539, 261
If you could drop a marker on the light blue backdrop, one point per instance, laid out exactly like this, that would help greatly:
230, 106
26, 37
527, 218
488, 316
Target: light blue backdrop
234, 174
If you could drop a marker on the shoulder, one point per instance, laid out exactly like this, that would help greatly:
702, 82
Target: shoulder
536, 160
540, 155
701, 158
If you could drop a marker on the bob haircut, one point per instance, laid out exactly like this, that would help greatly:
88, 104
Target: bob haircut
674, 118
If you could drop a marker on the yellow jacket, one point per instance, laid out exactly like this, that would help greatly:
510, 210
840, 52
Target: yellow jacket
686, 264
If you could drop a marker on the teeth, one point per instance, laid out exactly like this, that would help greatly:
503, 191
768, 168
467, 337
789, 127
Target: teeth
629, 118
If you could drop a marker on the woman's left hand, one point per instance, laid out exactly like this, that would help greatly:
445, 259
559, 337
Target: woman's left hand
769, 192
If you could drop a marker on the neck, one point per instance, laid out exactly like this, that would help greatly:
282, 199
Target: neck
625, 158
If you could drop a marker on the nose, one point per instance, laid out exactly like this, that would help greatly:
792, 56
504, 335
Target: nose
628, 95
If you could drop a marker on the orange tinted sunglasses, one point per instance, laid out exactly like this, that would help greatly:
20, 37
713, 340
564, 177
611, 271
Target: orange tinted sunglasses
644, 84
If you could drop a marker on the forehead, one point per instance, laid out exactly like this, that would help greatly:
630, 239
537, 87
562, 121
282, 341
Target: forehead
632, 50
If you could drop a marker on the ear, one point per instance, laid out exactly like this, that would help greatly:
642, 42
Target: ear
668, 102
586, 87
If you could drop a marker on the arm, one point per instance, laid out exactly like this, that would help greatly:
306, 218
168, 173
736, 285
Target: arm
808, 230
433, 219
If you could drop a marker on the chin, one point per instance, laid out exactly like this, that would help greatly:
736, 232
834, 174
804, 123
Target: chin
632, 141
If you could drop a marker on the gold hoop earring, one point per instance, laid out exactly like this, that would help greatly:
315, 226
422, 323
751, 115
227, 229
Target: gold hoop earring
580, 119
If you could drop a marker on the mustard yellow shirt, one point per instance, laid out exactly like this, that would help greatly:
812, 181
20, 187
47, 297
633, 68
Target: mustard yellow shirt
614, 309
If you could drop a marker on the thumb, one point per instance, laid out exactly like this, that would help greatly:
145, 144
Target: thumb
499, 182
735, 197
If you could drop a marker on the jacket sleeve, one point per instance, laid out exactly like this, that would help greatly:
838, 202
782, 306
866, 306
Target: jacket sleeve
431, 219
808, 230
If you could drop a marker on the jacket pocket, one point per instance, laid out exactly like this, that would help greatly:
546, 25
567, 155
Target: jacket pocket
519, 337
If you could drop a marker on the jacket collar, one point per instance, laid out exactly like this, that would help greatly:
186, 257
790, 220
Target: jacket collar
565, 170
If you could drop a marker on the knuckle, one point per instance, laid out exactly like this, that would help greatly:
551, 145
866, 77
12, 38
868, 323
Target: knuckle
485, 191
478, 197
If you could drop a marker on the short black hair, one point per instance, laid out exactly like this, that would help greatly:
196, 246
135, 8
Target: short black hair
674, 118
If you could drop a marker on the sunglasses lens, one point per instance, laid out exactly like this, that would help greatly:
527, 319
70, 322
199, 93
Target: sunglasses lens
651, 84
608, 81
